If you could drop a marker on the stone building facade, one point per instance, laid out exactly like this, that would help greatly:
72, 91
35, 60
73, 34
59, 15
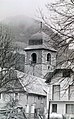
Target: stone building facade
40, 56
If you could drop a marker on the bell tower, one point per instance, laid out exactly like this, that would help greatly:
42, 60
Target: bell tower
40, 56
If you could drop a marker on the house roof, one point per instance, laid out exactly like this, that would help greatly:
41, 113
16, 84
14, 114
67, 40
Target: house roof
33, 84
12, 86
10, 82
49, 75
22, 82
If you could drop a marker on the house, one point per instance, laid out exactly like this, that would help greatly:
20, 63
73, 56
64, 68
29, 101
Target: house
61, 91
36, 89
29, 91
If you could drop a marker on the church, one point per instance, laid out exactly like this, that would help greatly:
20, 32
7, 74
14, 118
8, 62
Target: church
39, 57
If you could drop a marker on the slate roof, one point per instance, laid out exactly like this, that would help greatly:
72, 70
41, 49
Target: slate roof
49, 75
23, 82
33, 84
47, 43
39, 47
12, 86
39, 35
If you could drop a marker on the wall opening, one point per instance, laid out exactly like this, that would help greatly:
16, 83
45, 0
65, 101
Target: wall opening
54, 108
49, 58
34, 58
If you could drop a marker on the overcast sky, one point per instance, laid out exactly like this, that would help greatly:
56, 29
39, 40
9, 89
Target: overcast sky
9, 8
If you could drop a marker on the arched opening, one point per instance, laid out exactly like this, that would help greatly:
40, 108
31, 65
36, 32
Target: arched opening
49, 58
34, 58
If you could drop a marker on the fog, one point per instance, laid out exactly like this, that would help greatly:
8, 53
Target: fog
9, 8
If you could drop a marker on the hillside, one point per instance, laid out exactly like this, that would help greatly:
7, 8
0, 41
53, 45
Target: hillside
24, 27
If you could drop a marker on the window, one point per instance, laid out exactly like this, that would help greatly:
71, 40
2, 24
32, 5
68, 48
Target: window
16, 96
39, 97
34, 58
54, 107
48, 67
35, 112
70, 108
56, 92
35, 42
0, 96
49, 58
71, 92
66, 73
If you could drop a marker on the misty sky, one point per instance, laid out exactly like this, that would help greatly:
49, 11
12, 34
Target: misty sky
9, 8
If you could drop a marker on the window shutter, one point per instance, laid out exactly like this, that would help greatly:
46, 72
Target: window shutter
70, 108
56, 92
71, 92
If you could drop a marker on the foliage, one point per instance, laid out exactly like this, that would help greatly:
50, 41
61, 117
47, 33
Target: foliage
61, 20
13, 111
7, 57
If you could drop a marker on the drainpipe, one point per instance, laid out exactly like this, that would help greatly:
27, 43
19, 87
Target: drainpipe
49, 111
48, 104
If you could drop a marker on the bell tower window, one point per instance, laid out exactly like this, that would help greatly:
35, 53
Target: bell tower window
49, 58
35, 42
34, 58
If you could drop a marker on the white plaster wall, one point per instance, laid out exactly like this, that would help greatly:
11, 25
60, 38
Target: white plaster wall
61, 107
23, 100
64, 86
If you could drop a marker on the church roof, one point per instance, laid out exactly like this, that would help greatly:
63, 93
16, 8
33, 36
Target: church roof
39, 35
40, 47
46, 42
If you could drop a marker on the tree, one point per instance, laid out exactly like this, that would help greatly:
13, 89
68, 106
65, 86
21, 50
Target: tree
61, 20
10, 59
12, 110
8, 76
5, 54
7, 57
